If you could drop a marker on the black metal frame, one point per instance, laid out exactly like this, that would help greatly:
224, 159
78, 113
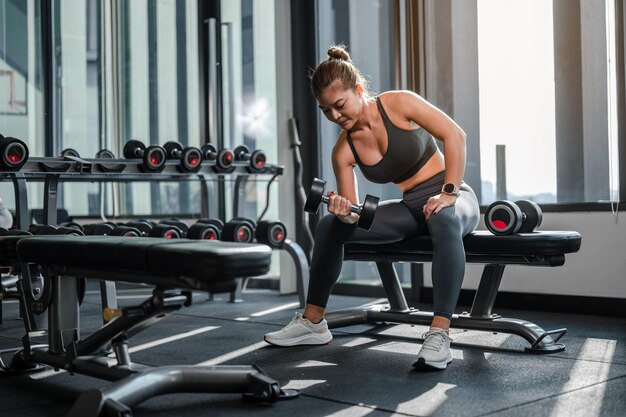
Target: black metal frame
480, 316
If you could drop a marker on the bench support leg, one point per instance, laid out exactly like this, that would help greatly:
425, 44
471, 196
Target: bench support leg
126, 393
479, 318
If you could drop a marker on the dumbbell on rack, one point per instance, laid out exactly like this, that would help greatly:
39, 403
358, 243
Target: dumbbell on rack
239, 229
105, 154
153, 156
272, 233
172, 228
257, 159
505, 217
223, 159
206, 229
13, 153
366, 212
190, 157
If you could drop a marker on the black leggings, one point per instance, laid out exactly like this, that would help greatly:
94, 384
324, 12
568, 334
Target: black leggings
397, 220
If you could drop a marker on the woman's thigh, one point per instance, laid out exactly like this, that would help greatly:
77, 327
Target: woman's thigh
393, 222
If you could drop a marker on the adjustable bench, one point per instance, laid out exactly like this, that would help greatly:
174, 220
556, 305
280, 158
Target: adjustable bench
170, 266
532, 249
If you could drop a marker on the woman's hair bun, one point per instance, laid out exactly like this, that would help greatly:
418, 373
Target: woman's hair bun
338, 52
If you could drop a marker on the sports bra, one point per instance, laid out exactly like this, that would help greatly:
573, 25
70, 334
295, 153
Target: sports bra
407, 152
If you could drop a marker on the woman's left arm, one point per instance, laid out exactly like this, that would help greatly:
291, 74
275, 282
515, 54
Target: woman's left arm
442, 127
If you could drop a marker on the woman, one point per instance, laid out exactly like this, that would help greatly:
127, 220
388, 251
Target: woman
390, 138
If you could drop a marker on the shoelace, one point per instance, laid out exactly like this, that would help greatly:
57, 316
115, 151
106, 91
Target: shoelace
434, 339
297, 318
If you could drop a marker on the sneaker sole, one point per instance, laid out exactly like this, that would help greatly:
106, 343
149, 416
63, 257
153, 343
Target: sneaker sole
306, 340
422, 365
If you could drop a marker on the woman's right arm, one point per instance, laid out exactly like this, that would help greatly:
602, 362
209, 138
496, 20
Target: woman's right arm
347, 192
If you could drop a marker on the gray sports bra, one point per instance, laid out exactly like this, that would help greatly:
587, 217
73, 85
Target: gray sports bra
407, 152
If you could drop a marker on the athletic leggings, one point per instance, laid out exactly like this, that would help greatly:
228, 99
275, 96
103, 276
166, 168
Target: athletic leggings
397, 220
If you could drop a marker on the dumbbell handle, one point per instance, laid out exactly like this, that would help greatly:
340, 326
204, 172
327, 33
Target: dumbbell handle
353, 208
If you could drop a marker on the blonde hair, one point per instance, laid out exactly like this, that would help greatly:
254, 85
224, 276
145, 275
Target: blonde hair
337, 68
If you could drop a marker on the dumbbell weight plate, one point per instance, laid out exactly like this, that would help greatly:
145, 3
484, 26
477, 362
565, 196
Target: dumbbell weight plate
130, 148
314, 199
272, 233
70, 152
203, 231
503, 218
368, 211
105, 154
533, 216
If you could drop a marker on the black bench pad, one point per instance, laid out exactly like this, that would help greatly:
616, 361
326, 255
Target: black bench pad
481, 244
203, 260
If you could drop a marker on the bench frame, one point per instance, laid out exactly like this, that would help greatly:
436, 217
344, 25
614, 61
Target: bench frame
480, 316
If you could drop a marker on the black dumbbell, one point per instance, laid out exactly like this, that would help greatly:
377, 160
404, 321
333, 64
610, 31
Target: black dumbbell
257, 159
190, 157
126, 231
143, 226
73, 225
206, 229
223, 159
71, 152
105, 154
14, 153
505, 217
239, 229
182, 226
153, 156
272, 233
366, 212
166, 231
98, 229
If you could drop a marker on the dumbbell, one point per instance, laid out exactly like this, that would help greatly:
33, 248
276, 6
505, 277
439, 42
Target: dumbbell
206, 229
223, 159
143, 226
366, 212
182, 226
166, 231
190, 157
14, 153
272, 233
153, 156
505, 217
98, 229
105, 154
73, 225
126, 231
239, 229
46, 229
257, 158
70, 152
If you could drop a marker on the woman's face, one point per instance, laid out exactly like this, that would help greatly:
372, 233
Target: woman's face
340, 105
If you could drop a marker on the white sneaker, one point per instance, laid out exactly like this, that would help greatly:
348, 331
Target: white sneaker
300, 331
435, 352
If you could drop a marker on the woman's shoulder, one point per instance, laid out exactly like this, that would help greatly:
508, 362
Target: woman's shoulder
341, 150
398, 100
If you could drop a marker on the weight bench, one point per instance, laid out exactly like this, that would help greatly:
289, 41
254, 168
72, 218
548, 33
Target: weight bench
532, 249
174, 268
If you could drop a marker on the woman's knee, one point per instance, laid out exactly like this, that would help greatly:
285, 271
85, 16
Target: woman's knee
444, 223
330, 227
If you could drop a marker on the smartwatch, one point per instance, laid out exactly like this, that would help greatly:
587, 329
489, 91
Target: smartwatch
450, 189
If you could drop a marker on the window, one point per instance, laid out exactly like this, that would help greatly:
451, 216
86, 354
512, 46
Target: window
21, 84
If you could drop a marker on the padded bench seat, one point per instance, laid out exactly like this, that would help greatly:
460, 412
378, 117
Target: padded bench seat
539, 248
180, 263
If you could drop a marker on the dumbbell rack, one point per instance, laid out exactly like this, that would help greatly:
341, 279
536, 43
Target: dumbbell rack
53, 170
74, 169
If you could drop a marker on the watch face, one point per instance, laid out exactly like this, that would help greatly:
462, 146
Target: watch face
448, 188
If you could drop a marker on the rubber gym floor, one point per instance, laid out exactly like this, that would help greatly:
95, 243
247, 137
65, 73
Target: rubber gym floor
365, 371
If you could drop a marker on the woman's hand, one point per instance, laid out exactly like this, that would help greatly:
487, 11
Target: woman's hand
340, 207
438, 202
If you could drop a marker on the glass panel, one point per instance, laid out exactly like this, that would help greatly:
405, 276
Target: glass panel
160, 99
21, 84
249, 96
517, 98
76, 86
364, 26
